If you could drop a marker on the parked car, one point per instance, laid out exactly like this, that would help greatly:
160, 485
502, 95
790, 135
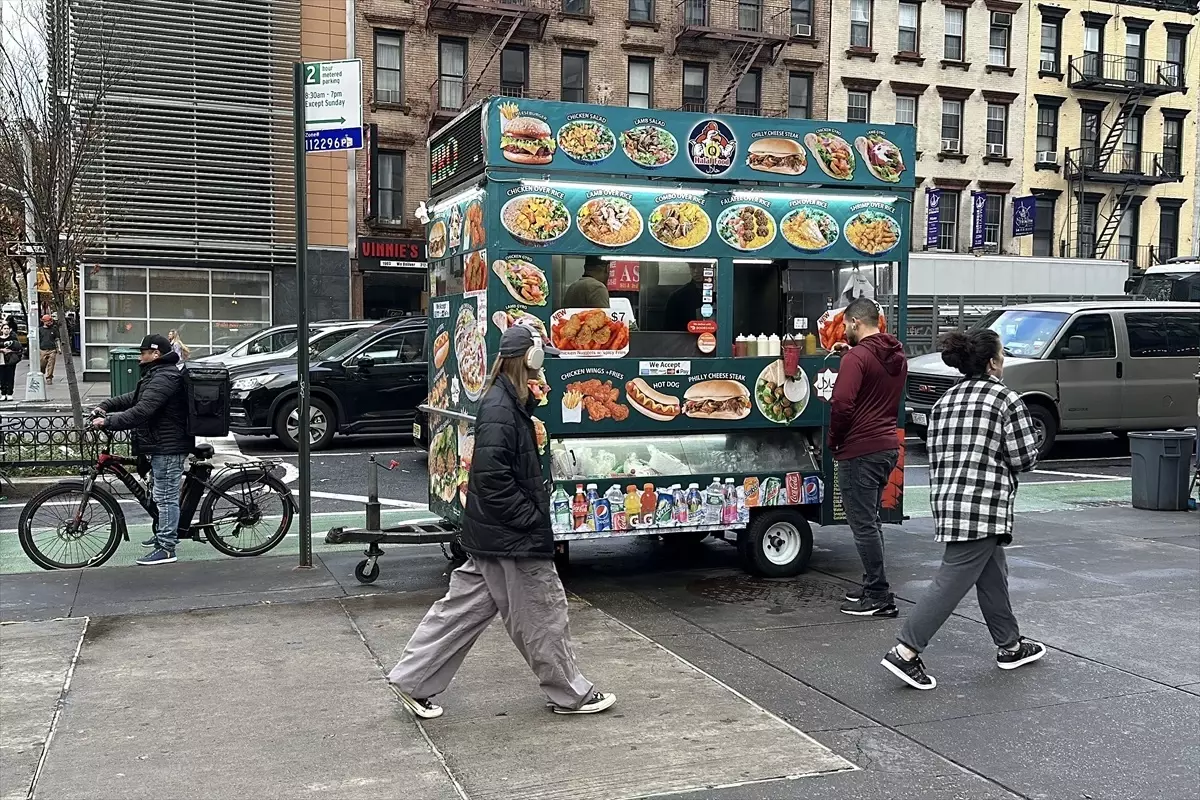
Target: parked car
370, 382
420, 428
1084, 367
265, 341
322, 336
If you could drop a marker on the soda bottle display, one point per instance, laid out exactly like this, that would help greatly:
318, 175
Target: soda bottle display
560, 510
603, 515
695, 505
616, 507
592, 497
633, 507
679, 499
714, 503
579, 509
729, 503
664, 512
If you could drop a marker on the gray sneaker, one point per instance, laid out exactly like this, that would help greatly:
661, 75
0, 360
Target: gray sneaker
599, 701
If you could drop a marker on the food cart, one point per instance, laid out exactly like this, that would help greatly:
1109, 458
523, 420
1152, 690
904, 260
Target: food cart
690, 397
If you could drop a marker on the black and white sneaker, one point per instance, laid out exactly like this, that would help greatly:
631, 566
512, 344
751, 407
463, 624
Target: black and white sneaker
1028, 652
869, 607
151, 543
854, 595
599, 701
420, 707
911, 672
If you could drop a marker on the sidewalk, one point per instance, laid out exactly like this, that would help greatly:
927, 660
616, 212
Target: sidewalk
58, 394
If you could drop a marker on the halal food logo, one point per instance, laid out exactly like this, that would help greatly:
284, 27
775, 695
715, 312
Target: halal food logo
712, 147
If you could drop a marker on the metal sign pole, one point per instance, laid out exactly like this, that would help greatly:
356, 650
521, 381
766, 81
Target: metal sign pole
298, 117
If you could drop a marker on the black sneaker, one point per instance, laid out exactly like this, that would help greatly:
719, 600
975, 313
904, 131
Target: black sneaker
420, 707
151, 543
854, 595
1028, 652
599, 701
911, 672
869, 607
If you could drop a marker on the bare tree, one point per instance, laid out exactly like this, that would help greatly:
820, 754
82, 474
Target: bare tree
63, 64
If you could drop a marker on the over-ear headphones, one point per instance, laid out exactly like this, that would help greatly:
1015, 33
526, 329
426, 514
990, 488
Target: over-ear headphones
535, 356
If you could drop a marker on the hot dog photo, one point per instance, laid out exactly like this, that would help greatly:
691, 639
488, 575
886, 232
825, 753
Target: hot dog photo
717, 399
441, 349
651, 402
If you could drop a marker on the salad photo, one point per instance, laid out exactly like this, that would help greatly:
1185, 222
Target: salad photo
524, 281
872, 232
746, 227
649, 146
882, 158
780, 399
471, 352
810, 229
535, 218
444, 464
834, 156
681, 225
586, 141
609, 221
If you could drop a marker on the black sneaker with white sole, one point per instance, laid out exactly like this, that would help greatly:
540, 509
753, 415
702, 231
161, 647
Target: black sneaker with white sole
599, 701
870, 607
1028, 652
911, 672
854, 595
420, 707
151, 543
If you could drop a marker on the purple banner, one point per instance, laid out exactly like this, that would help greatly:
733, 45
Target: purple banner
933, 216
978, 214
1024, 215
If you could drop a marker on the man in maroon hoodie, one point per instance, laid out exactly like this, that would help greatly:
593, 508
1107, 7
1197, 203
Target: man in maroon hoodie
862, 436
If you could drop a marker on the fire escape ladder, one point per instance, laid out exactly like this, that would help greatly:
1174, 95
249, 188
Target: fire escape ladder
1112, 139
507, 24
1113, 222
739, 64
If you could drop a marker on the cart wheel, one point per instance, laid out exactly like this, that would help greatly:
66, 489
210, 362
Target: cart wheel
778, 544
367, 570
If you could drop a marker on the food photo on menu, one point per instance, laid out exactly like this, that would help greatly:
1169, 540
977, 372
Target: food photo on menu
680, 225
833, 154
586, 141
589, 333
525, 140
777, 154
535, 218
524, 280
650, 146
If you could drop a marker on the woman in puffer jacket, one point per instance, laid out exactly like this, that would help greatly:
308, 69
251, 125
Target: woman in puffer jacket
510, 568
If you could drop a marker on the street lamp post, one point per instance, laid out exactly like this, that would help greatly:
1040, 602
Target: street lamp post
35, 383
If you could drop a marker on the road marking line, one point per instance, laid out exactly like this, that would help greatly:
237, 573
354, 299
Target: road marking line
58, 709
1087, 475
1043, 483
408, 507
358, 498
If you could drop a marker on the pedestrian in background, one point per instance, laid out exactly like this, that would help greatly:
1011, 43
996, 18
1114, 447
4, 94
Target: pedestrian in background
980, 437
510, 565
10, 356
48, 347
863, 417
177, 346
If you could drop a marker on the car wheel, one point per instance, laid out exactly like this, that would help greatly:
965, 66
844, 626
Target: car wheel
322, 424
1045, 426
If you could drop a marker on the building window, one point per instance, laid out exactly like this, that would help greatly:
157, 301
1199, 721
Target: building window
860, 24
1131, 145
452, 72
1127, 231
574, 76
389, 65
858, 106
998, 38
1168, 232
514, 71
389, 202
906, 110
1047, 134
997, 129
695, 87
948, 222
801, 17
956, 21
1172, 145
993, 222
800, 95
1093, 50
1089, 137
1135, 46
641, 10
1089, 214
951, 126
750, 15
748, 98
1043, 227
910, 28
641, 79
579, 7
1049, 57
1173, 69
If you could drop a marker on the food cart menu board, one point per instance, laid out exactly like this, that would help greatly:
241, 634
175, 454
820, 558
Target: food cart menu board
541, 136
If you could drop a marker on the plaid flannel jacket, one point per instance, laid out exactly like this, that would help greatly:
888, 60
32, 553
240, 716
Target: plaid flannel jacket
980, 436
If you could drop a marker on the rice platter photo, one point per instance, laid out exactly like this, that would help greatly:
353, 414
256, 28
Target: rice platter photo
872, 232
746, 227
535, 218
609, 221
649, 146
586, 141
809, 229
681, 225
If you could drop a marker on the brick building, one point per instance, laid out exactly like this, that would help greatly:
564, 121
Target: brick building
425, 60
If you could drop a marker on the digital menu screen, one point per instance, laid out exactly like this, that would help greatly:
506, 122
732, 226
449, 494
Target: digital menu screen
456, 151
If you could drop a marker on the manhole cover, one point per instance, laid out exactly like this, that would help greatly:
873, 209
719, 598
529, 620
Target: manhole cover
789, 592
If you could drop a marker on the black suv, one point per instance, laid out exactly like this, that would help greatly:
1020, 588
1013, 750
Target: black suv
370, 382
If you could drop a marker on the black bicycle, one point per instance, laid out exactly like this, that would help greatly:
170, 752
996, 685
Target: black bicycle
244, 510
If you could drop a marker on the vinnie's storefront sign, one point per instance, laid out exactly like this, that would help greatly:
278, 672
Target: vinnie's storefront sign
391, 254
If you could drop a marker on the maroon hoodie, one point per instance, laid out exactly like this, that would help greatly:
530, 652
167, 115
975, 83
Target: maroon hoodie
865, 406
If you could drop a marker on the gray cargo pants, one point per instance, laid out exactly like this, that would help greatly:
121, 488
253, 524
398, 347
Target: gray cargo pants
529, 597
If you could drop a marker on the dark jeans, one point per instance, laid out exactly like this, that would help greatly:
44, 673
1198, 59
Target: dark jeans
862, 481
7, 372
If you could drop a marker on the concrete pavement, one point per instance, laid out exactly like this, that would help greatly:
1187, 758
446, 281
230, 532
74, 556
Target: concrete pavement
58, 394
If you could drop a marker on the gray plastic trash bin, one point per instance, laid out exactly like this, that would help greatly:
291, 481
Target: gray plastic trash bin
1161, 462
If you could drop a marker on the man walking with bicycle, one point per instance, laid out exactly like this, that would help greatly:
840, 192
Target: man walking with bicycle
156, 412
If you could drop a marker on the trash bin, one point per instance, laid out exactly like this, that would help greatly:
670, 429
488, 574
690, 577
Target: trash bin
123, 372
1161, 463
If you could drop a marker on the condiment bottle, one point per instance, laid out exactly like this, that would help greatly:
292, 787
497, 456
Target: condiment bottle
739, 346
810, 343
764, 345
773, 345
751, 345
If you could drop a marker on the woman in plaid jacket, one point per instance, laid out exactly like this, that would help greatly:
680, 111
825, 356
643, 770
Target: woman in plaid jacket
980, 436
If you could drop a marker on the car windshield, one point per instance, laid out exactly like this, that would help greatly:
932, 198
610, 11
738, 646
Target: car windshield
348, 345
1023, 333
319, 341
1171, 286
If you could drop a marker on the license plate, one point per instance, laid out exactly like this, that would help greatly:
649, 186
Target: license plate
416, 430
920, 419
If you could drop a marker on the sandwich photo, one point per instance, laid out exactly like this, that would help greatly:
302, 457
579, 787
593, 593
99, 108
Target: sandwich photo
718, 399
785, 156
441, 349
654, 404
526, 140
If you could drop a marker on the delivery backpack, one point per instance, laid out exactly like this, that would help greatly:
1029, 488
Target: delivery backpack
207, 390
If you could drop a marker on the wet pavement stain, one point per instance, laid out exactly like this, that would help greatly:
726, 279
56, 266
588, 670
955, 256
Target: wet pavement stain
781, 595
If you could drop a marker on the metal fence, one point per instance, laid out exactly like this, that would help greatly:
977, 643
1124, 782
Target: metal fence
53, 441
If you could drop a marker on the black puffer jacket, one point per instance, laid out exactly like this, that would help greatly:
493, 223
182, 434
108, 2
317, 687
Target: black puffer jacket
13, 345
156, 411
508, 507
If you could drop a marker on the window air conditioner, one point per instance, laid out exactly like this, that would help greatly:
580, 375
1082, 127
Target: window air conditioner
994, 149
1047, 157
1002, 19
949, 145
1049, 66
802, 30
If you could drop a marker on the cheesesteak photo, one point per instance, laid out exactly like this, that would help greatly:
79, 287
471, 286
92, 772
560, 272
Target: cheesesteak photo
718, 399
785, 156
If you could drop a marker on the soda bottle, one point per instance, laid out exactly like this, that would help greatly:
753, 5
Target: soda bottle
743, 513
592, 497
649, 505
633, 507
579, 509
664, 511
695, 505
729, 503
560, 510
679, 500
714, 503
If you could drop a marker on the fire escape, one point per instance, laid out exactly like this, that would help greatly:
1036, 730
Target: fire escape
1113, 165
749, 30
500, 22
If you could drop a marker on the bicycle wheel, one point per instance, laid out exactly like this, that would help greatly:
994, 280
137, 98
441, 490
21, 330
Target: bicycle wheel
52, 536
250, 516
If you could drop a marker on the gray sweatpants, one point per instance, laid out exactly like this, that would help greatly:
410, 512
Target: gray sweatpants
529, 597
979, 563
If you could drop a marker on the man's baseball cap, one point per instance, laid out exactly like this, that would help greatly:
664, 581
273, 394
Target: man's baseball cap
517, 339
156, 343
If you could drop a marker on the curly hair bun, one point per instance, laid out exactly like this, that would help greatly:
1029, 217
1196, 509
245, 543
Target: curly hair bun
970, 352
